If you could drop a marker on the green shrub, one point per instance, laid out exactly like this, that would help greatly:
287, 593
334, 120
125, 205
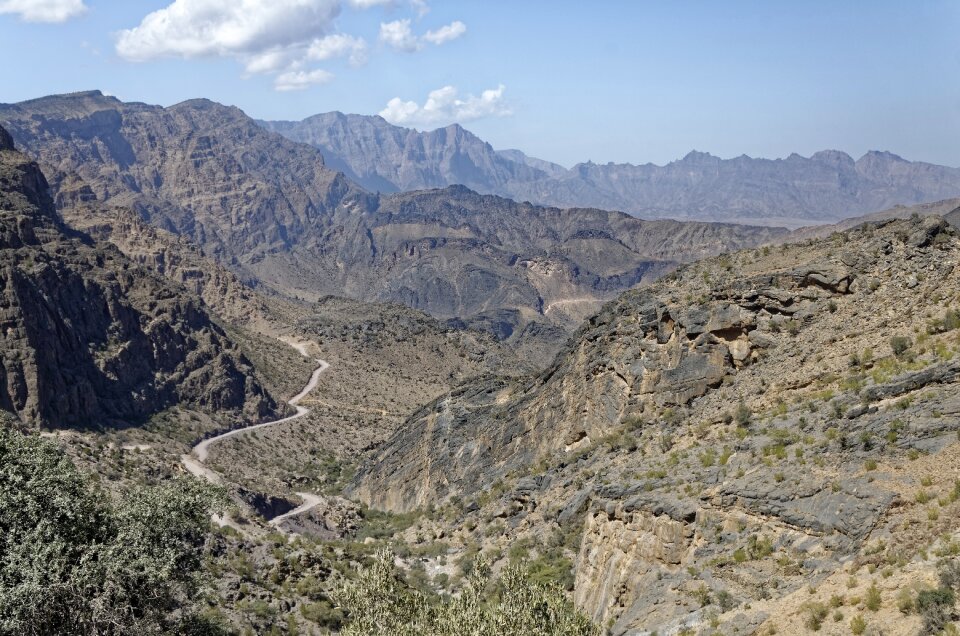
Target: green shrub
905, 601
379, 602
858, 625
816, 612
742, 415
873, 600
75, 562
900, 344
935, 607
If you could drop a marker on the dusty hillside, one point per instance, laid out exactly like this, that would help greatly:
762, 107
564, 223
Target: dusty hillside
385, 361
744, 442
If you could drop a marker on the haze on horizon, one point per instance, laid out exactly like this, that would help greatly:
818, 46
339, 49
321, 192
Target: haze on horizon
565, 81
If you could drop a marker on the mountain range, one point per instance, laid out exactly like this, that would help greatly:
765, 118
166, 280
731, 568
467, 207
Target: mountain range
689, 427
825, 187
273, 212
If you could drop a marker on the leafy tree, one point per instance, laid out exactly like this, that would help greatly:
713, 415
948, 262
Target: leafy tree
73, 562
378, 602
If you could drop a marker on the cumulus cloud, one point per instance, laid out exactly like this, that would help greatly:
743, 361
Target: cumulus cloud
44, 10
197, 28
444, 106
284, 38
299, 80
446, 33
339, 45
268, 36
399, 35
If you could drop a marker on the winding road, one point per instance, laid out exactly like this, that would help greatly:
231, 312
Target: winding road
194, 461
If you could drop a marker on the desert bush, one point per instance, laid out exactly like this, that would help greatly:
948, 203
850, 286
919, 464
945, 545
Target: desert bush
742, 415
905, 601
873, 601
935, 607
899, 345
816, 613
378, 601
858, 625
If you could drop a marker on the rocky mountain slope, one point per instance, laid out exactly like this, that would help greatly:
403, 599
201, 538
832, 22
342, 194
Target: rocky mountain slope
89, 337
949, 209
753, 444
827, 186
268, 209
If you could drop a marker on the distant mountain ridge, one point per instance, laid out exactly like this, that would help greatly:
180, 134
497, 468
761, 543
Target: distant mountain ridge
386, 158
825, 187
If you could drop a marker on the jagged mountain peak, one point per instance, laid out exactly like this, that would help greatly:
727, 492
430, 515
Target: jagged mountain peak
882, 154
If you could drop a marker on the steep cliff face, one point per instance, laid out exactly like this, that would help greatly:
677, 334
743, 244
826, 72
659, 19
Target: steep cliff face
88, 337
716, 431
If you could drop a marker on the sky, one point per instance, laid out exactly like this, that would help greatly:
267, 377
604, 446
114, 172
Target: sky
568, 81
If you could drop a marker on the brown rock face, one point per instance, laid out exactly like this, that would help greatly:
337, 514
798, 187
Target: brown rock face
88, 337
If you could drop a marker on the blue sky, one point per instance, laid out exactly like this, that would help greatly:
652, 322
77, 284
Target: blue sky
567, 81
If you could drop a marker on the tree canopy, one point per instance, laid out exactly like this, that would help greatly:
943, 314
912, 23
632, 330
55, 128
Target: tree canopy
73, 561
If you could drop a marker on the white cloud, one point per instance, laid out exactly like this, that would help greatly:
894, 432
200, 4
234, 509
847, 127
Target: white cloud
420, 6
446, 33
368, 4
443, 106
299, 80
284, 38
338, 45
44, 10
269, 61
197, 28
267, 36
399, 35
